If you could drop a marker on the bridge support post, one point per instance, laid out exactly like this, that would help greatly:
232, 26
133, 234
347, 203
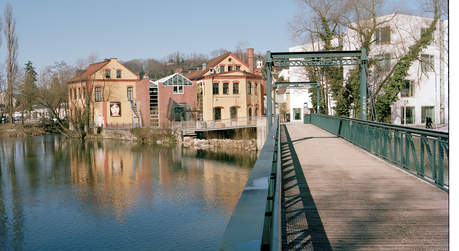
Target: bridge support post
269, 121
363, 84
318, 98
274, 101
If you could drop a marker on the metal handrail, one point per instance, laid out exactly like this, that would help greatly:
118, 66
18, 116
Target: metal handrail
255, 222
276, 239
425, 132
423, 153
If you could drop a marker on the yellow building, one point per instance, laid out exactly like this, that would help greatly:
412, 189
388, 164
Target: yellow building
108, 90
228, 89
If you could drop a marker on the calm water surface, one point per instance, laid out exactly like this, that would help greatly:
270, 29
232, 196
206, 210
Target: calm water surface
57, 194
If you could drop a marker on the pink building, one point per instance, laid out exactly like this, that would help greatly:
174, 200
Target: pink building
172, 98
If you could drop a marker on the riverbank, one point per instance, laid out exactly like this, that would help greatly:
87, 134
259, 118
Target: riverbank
148, 136
17, 130
230, 145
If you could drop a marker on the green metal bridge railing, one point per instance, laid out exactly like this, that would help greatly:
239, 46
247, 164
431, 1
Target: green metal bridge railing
424, 153
256, 221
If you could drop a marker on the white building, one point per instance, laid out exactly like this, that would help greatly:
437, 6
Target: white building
426, 90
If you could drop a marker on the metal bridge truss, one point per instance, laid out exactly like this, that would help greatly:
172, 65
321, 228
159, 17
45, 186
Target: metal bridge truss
298, 85
317, 58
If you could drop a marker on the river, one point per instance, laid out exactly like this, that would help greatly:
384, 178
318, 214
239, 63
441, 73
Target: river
58, 194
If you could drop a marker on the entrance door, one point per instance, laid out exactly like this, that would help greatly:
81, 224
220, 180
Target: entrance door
296, 113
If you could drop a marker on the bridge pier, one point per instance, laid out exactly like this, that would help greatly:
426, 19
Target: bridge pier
261, 132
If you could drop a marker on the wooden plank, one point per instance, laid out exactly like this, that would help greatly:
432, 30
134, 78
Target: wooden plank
364, 203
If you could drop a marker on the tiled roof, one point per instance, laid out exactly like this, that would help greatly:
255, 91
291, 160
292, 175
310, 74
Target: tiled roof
92, 68
211, 64
229, 73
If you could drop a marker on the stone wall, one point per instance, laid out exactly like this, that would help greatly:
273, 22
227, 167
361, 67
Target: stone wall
216, 144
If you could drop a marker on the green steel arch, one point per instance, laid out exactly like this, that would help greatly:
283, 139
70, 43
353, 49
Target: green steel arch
317, 58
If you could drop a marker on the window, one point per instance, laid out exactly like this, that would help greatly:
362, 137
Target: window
255, 88
118, 73
97, 94
297, 113
217, 113
222, 68
235, 88
129, 93
427, 63
383, 62
407, 89
427, 111
215, 88
249, 88
256, 112
238, 67
74, 93
382, 35
250, 113
178, 89
225, 88
107, 73
233, 111
424, 30
407, 115
230, 68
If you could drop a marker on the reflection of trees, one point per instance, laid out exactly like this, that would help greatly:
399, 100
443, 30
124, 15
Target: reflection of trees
3, 216
17, 209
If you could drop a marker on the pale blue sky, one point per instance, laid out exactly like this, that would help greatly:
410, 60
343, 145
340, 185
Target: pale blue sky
68, 30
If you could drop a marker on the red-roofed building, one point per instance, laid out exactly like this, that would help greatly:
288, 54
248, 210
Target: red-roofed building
109, 90
229, 88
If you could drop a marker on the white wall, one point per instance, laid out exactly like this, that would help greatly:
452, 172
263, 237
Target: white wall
431, 89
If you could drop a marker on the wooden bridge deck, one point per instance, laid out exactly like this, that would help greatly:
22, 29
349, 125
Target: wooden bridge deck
337, 196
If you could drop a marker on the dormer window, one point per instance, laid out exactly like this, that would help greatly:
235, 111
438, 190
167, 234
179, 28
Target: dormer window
230, 68
238, 67
107, 73
118, 73
222, 68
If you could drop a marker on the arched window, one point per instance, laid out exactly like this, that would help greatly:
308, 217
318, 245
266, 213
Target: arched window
250, 113
249, 88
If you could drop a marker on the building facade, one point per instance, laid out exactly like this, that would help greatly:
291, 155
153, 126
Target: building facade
109, 91
172, 98
229, 89
425, 93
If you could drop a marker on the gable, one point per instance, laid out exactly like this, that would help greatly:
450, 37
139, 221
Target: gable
230, 60
113, 66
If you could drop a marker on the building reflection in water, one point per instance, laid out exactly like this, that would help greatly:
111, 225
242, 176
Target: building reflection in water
116, 176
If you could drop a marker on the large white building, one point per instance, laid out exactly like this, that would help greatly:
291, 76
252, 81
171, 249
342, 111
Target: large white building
425, 93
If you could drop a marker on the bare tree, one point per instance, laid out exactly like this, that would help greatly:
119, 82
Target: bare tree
53, 92
9, 31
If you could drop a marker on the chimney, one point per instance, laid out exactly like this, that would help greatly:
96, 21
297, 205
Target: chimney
204, 66
250, 58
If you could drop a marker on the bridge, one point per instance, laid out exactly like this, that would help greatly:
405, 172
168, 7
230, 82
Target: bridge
345, 184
